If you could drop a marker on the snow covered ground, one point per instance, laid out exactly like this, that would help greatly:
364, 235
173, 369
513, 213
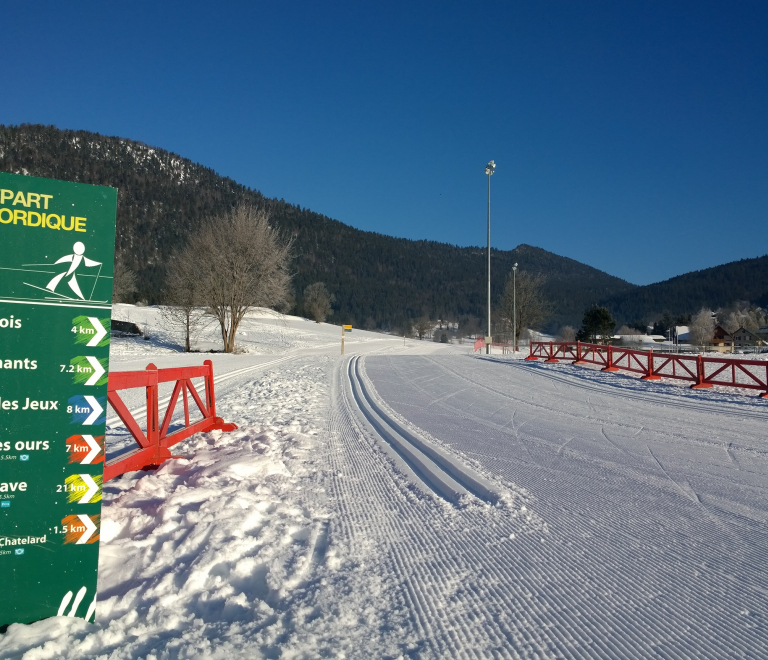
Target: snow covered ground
411, 499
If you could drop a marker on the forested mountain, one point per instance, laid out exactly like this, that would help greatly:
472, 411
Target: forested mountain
687, 294
376, 279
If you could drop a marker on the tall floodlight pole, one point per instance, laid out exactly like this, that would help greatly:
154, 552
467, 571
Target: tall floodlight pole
514, 307
489, 168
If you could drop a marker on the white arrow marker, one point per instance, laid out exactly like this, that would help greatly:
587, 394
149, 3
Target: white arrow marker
96, 410
101, 332
93, 488
95, 449
98, 370
90, 528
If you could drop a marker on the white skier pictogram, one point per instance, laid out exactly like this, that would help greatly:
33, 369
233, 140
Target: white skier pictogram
79, 268
75, 259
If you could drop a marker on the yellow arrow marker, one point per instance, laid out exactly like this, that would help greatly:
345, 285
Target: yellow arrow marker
83, 488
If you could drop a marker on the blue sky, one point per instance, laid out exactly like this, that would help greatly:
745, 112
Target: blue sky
631, 136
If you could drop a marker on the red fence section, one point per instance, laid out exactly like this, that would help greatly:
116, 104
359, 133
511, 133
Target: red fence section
480, 343
703, 371
154, 445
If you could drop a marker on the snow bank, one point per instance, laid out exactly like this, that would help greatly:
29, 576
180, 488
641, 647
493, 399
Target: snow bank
228, 552
203, 557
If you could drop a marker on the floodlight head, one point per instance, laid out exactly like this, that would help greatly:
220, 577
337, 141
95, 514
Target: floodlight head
515, 266
490, 167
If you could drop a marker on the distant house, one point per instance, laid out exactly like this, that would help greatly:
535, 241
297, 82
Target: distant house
743, 338
682, 334
721, 339
628, 340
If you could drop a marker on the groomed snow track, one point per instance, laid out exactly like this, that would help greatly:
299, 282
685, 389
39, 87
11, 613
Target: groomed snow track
433, 581
436, 468
652, 512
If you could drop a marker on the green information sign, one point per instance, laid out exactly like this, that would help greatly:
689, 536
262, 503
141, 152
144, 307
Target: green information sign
57, 246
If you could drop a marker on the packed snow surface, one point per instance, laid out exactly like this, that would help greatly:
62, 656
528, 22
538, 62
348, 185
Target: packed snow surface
416, 500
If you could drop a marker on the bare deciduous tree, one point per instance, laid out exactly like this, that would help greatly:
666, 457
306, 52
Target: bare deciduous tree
123, 282
732, 322
183, 313
423, 326
528, 300
629, 335
241, 262
742, 315
317, 302
701, 328
566, 333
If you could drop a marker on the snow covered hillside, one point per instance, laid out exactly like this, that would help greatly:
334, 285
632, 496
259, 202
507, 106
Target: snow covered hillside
411, 499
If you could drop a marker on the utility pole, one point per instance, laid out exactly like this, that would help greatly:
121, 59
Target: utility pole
514, 307
489, 168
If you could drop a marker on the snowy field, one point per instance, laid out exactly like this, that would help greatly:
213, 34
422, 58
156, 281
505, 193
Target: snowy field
413, 500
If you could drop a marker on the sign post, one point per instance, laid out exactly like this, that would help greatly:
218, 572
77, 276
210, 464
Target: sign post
56, 268
344, 329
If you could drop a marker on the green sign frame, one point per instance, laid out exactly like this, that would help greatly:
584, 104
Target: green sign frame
56, 267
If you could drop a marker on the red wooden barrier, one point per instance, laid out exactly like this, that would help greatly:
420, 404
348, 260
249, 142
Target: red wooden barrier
154, 445
550, 350
480, 343
703, 371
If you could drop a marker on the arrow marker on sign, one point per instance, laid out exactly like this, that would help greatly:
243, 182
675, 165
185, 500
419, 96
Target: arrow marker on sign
93, 488
95, 449
101, 331
90, 528
96, 410
98, 370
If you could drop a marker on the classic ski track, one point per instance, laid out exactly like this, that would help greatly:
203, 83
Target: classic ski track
539, 645
626, 635
425, 473
435, 459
